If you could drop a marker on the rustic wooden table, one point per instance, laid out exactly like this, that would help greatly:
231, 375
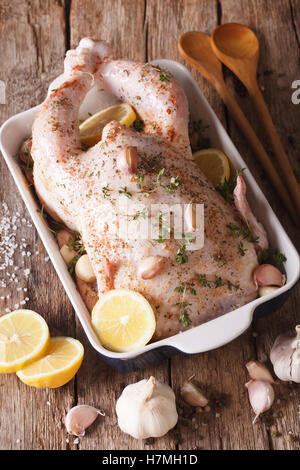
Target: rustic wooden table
34, 37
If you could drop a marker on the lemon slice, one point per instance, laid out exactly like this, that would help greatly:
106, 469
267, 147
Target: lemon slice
57, 367
91, 129
124, 320
214, 164
24, 337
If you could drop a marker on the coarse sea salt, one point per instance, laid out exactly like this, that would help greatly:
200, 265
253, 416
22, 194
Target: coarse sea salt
10, 227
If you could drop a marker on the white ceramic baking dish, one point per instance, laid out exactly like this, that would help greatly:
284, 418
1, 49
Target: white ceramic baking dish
201, 338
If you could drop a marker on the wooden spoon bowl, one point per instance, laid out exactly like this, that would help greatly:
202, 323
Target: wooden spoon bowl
238, 48
236, 40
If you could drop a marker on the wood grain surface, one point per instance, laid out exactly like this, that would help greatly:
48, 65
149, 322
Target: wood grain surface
34, 37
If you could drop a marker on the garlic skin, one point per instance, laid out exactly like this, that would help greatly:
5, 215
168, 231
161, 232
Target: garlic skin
151, 266
285, 356
268, 275
127, 161
192, 394
80, 417
258, 371
147, 409
261, 396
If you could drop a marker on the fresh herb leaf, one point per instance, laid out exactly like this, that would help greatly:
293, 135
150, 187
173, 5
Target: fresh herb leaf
181, 256
72, 264
185, 318
138, 125
226, 189
165, 76
203, 281
247, 233
197, 138
125, 192
274, 257
242, 250
105, 191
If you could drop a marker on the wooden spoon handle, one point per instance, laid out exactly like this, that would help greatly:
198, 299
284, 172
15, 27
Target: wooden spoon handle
256, 145
277, 147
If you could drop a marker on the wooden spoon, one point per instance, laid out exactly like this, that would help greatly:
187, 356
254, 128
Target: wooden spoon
196, 49
238, 48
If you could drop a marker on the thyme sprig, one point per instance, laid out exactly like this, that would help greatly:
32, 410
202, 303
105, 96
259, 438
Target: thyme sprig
247, 233
181, 256
183, 305
218, 282
125, 191
274, 257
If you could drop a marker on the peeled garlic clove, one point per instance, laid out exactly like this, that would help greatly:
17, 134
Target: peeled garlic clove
84, 270
151, 266
127, 161
261, 396
268, 275
258, 371
266, 290
80, 417
192, 394
67, 254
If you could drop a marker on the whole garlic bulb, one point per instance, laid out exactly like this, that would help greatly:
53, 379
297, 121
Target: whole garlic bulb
147, 409
285, 356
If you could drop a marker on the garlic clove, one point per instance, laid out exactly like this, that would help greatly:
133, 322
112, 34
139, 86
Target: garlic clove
258, 371
268, 275
192, 394
63, 237
127, 161
261, 396
285, 356
151, 266
80, 417
84, 269
67, 254
265, 290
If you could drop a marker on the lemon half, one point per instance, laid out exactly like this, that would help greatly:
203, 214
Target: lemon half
124, 320
91, 129
24, 337
214, 164
57, 367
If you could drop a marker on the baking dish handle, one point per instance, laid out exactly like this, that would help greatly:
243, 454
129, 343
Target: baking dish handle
214, 333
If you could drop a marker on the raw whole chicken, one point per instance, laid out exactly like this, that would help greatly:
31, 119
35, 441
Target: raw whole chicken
82, 188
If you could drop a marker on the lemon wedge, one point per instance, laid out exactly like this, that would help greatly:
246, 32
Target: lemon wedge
24, 337
123, 320
214, 164
61, 362
91, 129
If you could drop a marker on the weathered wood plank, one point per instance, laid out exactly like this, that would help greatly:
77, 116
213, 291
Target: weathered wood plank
32, 48
33, 44
120, 22
278, 67
167, 20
